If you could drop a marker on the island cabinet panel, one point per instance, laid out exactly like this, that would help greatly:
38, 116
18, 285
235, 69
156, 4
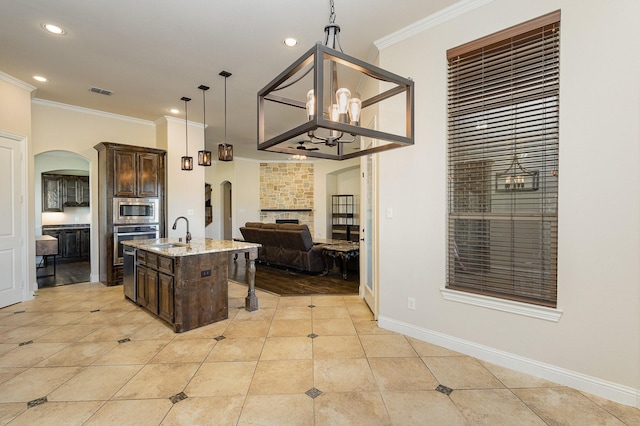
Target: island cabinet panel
200, 290
152, 290
186, 285
141, 280
165, 297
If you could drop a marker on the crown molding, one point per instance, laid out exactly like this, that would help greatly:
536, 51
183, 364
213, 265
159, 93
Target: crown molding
176, 120
444, 15
83, 110
19, 83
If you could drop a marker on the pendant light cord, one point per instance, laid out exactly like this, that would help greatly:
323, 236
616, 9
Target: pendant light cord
225, 111
186, 130
332, 16
186, 125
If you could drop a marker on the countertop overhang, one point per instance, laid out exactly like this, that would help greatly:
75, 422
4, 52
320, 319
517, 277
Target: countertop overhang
195, 247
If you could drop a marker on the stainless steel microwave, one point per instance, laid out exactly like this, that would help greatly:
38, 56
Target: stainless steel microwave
136, 210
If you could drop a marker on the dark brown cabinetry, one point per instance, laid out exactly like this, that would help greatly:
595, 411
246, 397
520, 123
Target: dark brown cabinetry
75, 191
130, 172
51, 193
60, 191
165, 297
135, 174
73, 242
155, 288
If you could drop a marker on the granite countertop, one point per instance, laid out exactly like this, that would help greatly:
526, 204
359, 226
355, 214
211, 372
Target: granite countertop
66, 226
195, 247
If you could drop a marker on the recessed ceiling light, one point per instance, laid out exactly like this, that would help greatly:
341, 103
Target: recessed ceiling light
40, 78
290, 42
54, 29
174, 110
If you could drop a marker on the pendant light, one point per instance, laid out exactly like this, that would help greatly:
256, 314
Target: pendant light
225, 150
204, 156
187, 162
334, 119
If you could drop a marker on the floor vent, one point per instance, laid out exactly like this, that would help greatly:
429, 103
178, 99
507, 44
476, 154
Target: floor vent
101, 91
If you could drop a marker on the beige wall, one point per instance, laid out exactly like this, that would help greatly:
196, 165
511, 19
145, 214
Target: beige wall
244, 175
185, 189
15, 119
595, 345
58, 127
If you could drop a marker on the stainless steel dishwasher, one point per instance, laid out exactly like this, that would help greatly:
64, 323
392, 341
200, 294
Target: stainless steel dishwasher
129, 272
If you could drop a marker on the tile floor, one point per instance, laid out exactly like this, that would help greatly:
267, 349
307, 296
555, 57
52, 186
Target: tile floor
82, 355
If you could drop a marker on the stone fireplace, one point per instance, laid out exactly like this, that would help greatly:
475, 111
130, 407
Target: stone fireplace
286, 192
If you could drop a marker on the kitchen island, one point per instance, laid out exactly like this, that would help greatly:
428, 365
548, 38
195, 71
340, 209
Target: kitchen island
186, 284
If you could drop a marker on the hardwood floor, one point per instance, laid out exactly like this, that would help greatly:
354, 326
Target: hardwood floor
290, 283
276, 280
66, 273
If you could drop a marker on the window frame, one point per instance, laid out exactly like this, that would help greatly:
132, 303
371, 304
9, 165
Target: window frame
472, 169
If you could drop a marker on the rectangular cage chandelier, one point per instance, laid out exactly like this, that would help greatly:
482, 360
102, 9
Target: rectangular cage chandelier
336, 125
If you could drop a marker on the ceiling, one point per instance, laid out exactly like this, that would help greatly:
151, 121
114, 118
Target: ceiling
150, 53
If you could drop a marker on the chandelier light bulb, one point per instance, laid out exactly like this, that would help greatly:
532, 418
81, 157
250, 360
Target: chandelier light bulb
355, 107
334, 112
311, 105
342, 99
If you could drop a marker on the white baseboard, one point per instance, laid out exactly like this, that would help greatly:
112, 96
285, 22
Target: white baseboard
94, 278
605, 389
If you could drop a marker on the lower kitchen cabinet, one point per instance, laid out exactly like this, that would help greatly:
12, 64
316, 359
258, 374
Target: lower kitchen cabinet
73, 243
155, 284
165, 297
147, 288
186, 291
141, 285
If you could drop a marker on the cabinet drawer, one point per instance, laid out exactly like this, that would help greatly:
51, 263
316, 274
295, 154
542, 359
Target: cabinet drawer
141, 257
165, 264
152, 260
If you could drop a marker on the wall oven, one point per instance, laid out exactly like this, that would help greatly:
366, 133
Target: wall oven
131, 232
136, 210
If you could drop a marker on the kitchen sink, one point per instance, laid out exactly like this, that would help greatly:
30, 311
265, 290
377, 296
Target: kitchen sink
167, 245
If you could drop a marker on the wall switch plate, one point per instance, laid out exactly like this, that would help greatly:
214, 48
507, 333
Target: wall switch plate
411, 303
190, 212
389, 212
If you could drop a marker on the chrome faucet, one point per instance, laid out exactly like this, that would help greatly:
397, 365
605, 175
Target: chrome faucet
188, 237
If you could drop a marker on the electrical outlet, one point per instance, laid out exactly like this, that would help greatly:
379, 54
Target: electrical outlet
205, 273
189, 212
411, 303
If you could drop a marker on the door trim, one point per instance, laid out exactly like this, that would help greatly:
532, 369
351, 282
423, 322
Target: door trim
28, 273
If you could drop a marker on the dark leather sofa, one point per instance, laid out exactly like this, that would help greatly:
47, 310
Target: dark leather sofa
285, 245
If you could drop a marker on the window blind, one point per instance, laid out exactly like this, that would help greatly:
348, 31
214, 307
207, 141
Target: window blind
503, 103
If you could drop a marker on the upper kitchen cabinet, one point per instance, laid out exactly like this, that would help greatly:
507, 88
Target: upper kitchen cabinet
52, 198
75, 191
135, 174
60, 191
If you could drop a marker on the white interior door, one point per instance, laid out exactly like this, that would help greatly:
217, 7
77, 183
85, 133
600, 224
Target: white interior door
12, 216
368, 234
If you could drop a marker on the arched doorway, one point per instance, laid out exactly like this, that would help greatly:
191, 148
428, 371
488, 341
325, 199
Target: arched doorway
62, 210
227, 222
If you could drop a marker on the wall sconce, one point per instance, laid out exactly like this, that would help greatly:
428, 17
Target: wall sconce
204, 156
186, 162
